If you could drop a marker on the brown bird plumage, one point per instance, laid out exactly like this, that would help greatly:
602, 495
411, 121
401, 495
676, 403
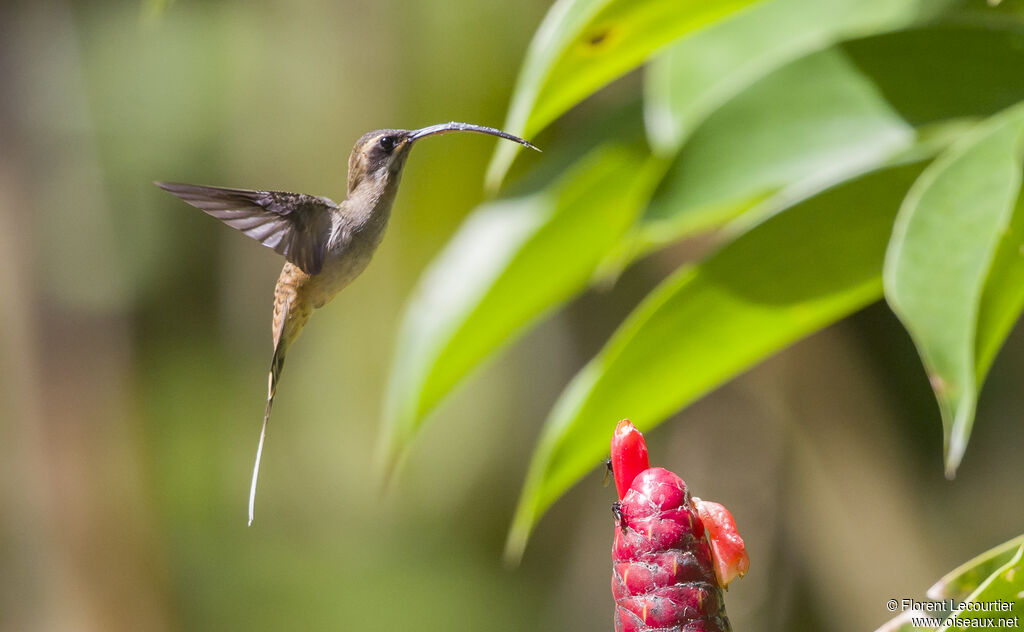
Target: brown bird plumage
326, 245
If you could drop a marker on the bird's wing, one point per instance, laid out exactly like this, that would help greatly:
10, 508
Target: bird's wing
293, 224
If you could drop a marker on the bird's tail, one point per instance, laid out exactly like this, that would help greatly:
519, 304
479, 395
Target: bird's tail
276, 365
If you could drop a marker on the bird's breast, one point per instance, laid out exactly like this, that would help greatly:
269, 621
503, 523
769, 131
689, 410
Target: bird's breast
349, 253
335, 275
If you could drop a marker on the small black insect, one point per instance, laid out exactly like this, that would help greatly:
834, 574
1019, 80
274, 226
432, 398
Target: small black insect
617, 512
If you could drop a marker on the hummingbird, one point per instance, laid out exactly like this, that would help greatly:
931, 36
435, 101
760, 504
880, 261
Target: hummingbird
326, 245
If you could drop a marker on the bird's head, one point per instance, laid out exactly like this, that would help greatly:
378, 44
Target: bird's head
378, 157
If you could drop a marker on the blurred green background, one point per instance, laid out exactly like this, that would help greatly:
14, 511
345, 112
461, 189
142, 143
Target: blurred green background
136, 339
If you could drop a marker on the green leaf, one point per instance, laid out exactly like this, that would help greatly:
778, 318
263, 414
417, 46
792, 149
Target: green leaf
945, 71
690, 80
993, 575
509, 263
1003, 297
966, 578
784, 279
943, 246
775, 131
1005, 585
584, 44
811, 124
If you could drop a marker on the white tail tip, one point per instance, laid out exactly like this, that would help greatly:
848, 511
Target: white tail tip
256, 471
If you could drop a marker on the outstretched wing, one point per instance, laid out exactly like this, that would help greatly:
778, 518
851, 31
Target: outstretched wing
293, 224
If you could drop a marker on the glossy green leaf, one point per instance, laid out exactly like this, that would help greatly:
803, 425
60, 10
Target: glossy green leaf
1003, 296
510, 262
966, 578
808, 125
943, 246
1005, 585
784, 279
765, 139
945, 71
693, 78
996, 574
584, 44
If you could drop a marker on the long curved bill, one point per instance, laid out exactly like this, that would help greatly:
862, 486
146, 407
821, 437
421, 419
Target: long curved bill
444, 128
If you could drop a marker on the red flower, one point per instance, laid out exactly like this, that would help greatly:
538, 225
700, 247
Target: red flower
667, 576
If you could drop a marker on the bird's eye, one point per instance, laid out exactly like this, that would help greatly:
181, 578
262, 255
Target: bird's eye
387, 143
